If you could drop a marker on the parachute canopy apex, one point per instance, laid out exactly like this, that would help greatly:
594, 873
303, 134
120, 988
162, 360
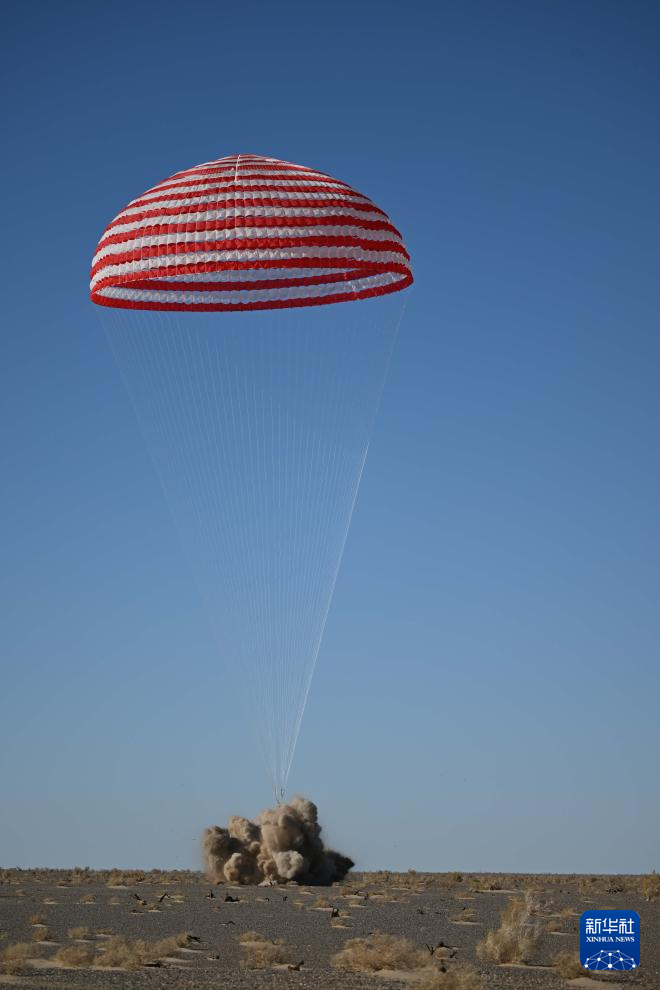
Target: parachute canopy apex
247, 232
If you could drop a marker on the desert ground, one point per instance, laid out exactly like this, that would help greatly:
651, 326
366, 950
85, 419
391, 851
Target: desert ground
106, 929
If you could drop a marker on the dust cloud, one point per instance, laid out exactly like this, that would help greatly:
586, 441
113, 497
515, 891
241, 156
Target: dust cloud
282, 844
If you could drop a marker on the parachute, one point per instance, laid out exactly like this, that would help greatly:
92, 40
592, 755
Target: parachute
258, 422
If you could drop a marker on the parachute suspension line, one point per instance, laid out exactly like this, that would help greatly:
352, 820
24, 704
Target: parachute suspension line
311, 567
301, 471
167, 367
353, 500
259, 427
258, 607
253, 670
308, 471
157, 355
295, 495
326, 468
244, 415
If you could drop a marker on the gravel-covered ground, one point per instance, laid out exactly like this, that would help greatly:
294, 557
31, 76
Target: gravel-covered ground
424, 908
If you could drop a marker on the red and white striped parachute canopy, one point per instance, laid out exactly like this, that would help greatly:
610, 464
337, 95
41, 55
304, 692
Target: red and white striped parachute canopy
247, 232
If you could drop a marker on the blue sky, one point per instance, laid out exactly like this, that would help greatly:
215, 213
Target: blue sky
487, 691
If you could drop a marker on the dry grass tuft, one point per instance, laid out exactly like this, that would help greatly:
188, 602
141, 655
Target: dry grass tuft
75, 955
125, 878
568, 965
650, 886
14, 957
42, 934
489, 883
38, 919
80, 931
182, 940
458, 978
88, 899
516, 938
377, 952
260, 952
119, 953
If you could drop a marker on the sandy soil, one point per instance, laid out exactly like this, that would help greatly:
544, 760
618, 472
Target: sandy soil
417, 906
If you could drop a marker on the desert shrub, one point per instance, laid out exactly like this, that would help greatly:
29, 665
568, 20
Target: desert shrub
75, 955
260, 952
377, 952
516, 938
13, 958
38, 919
568, 965
80, 931
41, 934
180, 941
457, 978
586, 885
80, 874
650, 886
119, 953
490, 883
125, 878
